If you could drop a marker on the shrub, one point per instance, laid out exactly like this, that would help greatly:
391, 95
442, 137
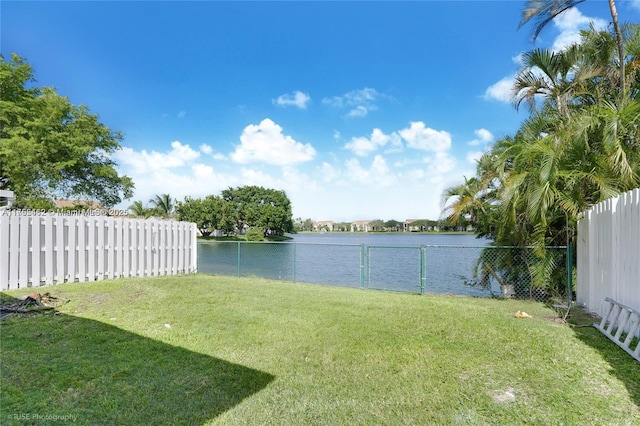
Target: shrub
255, 234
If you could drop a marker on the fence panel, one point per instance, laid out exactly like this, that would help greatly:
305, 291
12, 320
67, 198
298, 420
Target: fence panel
331, 264
476, 271
450, 269
396, 268
608, 253
38, 250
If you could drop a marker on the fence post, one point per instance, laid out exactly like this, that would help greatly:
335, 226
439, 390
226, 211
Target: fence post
238, 258
294, 262
361, 265
423, 272
569, 273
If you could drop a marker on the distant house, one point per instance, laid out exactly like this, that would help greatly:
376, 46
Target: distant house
408, 227
6, 199
419, 225
361, 226
323, 226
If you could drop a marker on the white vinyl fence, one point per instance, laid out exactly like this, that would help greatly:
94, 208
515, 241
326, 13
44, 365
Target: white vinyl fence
608, 254
37, 250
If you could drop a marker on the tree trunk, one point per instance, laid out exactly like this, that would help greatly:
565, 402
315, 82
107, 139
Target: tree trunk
616, 29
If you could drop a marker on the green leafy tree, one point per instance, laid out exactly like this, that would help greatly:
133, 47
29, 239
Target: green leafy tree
306, 225
393, 225
202, 212
377, 225
268, 209
50, 148
228, 216
342, 227
209, 214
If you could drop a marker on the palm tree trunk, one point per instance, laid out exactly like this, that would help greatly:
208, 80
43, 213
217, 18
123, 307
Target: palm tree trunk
616, 29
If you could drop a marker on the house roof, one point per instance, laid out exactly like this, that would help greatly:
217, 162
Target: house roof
61, 204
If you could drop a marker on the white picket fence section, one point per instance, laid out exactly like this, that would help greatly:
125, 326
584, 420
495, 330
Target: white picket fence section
41, 250
608, 254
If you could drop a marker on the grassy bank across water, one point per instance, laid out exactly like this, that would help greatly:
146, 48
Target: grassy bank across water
204, 349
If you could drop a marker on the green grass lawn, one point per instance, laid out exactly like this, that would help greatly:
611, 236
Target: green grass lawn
204, 349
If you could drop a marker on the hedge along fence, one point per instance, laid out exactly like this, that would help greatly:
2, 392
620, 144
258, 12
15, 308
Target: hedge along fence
45, 249
608, 255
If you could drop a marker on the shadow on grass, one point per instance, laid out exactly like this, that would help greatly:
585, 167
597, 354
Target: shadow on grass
623, 366
60, 369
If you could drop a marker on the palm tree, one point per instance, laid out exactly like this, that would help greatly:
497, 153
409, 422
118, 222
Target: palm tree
544, 11
560, 77
463, 200
138, 210
163, 204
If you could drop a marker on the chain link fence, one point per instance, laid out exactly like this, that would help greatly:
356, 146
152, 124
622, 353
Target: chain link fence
509, 272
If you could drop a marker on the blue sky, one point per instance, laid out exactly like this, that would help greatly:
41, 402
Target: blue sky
358, 110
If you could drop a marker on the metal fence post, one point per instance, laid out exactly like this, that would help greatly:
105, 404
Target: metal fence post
294, 262
362, 265
569, 273
238, 258
423, 272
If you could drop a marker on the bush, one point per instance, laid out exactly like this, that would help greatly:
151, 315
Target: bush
255, 234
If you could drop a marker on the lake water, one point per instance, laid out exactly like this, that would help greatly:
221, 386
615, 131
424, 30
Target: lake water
430, 263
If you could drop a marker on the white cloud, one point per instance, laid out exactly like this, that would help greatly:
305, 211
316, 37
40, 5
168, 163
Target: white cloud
219, 156
265, 143
181, 114
425, 139
439, 164
363, 146
147, 161
501, 91
474, 156
297, 99
483, 137
329, 173
258, 177
378, 174
336, 189
202, 171
359, 111
173, 172
360, 102
569, 24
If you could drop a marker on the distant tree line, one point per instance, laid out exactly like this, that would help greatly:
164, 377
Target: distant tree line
266, 212
379, 225
262, 211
